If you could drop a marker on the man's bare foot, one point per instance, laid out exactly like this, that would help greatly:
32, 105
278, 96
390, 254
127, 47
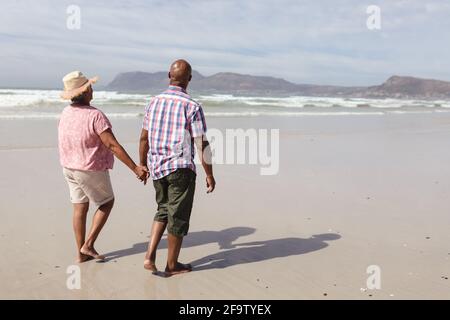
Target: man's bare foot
150, 265
180, 268
90, 251
83, 258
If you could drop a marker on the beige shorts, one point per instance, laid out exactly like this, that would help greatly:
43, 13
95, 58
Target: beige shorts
85, 186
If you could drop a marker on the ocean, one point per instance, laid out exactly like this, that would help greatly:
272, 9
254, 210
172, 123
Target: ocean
46, 104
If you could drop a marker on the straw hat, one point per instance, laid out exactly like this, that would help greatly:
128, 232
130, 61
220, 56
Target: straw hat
75, 83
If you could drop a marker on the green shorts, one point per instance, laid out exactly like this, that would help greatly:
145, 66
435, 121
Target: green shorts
174, 196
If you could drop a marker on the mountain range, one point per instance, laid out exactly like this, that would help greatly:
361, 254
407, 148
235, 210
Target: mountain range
401, 87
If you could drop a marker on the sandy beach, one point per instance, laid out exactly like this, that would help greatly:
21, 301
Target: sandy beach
351, 192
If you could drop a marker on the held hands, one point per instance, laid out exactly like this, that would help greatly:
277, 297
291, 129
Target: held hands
142, 173
210, 183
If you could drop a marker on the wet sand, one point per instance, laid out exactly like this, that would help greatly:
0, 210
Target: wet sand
351, 192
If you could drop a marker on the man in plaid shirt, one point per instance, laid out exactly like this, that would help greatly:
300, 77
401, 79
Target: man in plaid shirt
173, 123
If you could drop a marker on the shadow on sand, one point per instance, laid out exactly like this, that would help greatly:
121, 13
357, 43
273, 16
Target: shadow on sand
233, 254
223, 238
263, 250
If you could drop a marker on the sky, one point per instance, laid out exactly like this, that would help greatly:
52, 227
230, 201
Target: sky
317, 42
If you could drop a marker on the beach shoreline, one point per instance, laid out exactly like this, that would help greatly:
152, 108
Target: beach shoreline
351, 192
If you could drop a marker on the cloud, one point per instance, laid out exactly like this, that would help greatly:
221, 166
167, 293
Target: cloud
302, 41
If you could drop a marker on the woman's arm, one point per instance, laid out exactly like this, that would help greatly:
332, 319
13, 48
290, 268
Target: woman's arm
110, 141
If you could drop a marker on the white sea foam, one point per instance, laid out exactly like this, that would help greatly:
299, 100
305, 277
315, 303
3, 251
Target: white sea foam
20, 98
324, 102
28, 116
208, 114
35, 98
47, 104
412, 112
44, 116
290, 114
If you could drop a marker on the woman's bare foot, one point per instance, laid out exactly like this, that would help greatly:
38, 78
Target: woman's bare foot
150, 265
91, 252
83, 258
180, 268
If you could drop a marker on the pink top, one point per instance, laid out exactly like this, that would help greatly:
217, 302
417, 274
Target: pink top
80, 146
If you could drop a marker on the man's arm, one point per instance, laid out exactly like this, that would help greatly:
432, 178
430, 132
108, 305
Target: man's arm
204, 151
143, 147
143, 150
109, 140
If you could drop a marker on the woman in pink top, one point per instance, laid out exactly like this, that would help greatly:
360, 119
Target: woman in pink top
87, 147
